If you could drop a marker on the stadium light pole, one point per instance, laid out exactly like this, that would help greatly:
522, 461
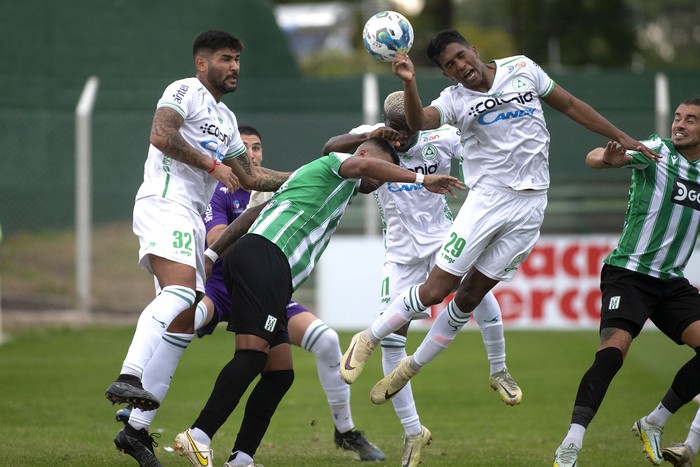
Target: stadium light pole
663, 105
83, 193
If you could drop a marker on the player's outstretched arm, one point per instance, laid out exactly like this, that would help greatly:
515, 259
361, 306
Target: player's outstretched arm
256, 178
349, 142
233, 232
417, 116
585, 115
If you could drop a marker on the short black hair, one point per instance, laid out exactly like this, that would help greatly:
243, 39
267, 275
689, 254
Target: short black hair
214, 40
692, 101
385, 146
444, 38
249, 130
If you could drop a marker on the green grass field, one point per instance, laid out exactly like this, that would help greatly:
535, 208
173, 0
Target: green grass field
53, 411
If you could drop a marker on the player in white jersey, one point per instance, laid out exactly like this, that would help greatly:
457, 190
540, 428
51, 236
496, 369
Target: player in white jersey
496, 107
642, 279
415, 222
264, 267
194, 144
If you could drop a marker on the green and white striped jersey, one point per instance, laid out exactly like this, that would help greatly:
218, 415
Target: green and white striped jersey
663, 213
304, 212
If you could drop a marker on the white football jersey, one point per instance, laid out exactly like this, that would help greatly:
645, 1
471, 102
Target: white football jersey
503, 131
210, 127
414, 219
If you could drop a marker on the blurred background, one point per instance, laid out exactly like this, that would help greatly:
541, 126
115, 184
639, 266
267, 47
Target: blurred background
301, 82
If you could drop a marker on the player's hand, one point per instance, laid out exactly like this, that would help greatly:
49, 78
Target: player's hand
614, 155
389, 134
633, 145
402, 66
225, 175
442, 184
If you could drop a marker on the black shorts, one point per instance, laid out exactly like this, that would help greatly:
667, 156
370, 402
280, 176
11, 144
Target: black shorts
259, 282
630, 298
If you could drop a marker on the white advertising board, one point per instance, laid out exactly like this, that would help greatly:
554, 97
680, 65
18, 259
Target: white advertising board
557, 287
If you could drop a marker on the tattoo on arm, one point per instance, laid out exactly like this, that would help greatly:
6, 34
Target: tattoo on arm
236, 229
165, 130
270, 180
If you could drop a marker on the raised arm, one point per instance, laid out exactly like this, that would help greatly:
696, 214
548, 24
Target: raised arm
351, 141
585, 115
417, 116
165, 135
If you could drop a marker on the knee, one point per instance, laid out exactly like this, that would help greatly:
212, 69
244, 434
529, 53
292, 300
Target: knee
282, 379
327, 343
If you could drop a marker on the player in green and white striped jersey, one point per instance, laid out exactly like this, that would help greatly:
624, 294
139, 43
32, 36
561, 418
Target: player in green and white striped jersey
642, 279
265, 266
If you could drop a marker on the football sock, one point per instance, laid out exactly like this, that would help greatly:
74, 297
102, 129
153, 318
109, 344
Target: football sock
158, 373
151, 326
261, 405
200, 315
323, 342
659, 416
240, 459
443, 331
393, 351
685, 386
487, 315
232, 382
575, 435
594, 384
399, 312
693, 439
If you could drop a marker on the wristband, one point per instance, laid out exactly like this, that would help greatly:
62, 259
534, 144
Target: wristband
211, 254
419, 178
216, 164
606, 162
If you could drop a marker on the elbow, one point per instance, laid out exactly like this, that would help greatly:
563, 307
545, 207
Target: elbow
327, 147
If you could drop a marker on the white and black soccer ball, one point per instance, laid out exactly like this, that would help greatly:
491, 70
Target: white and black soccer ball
385, 33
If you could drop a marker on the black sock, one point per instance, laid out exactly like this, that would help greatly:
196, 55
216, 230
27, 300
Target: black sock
594, 385
233, 381
262, 403
131, 379
685, 386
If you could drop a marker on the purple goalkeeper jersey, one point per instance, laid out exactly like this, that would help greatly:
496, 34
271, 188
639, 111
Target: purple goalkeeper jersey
224, 208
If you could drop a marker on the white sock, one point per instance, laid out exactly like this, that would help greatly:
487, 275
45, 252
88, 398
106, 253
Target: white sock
200, 436
443, 331
488, 316
152, 324
393, 351
575, 435
323, 342
402, 310
200, 315
659, 416
693, 439
158, 373
240, 458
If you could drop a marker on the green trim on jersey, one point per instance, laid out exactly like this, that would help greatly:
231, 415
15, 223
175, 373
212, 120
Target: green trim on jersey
659, 235
549, 89
233, 155
173, 106
303, 214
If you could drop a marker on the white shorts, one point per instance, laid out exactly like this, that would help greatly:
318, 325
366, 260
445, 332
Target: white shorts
398, 278
495, 231
169, 230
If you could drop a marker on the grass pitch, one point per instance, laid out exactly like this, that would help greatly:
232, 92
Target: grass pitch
53, 410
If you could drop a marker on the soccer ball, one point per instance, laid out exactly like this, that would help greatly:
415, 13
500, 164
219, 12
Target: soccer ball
386, 33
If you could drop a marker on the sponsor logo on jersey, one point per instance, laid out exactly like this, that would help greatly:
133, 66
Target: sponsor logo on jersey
520, 84
214, 130
489, 118
614, 303
492, 103
208, 214
180, 93
686, 193
399, 187
511, 68
424, 169
270, 323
